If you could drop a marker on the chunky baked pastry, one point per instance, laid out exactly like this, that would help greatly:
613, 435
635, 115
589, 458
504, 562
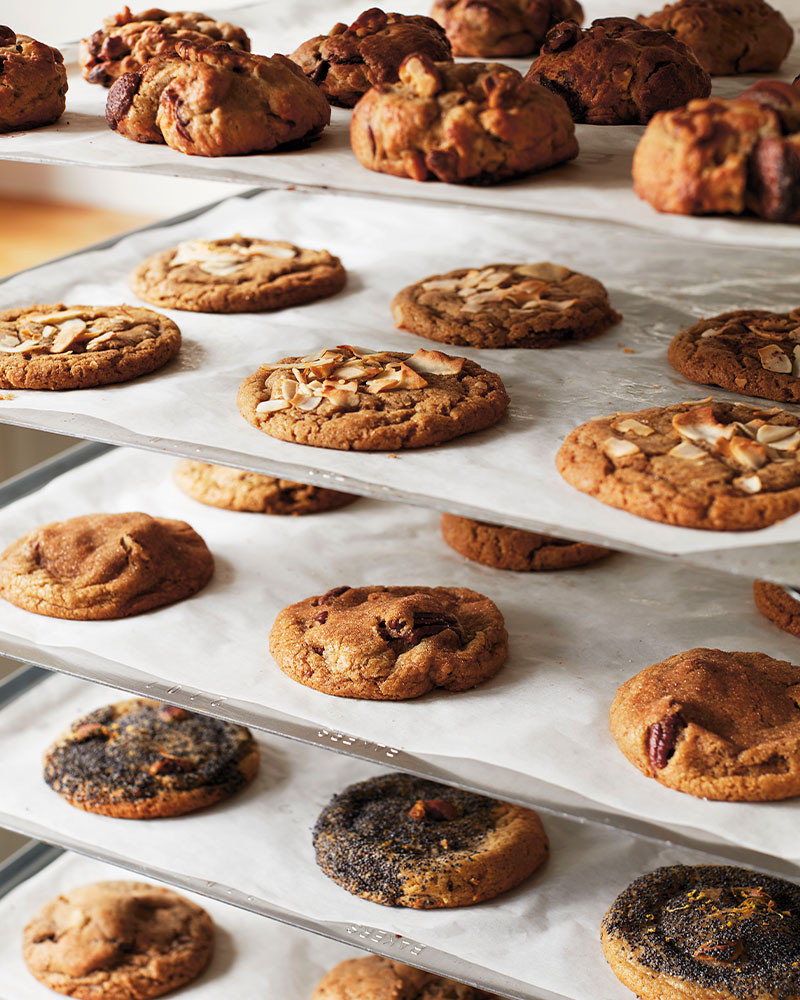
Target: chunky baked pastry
405, 841
355, 399
461, 123
118, 941
217, 101
104, 566
709, 932
727, 36
140, 759
615, 72
506, 305
375, 978
390, 643
492, 28
127, 41
780, 604
34, 82
347, 61
700, 464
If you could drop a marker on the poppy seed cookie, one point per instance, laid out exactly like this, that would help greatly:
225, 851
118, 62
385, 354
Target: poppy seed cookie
377, 978
780, 604
34, 83
497, 28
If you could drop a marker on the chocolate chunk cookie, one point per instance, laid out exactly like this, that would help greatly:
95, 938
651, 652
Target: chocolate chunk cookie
217, 101
709, 932
745, 36
506, 305
616, 72
352, 398
34, 82
723, 726
704, 464
376, 978
404, 841
780, 604
237, 275
390, 643
492, 28
461, 123
347, 61
104, 566
118, 941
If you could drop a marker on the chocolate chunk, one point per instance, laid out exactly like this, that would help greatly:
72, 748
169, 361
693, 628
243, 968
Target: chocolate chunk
330, 595
120, 97
7, 36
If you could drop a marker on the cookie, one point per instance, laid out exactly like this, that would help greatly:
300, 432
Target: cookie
354, 399
709, 932
237, 275
399, 840
745, 36
704, 464
347, 61
476, 123
217, 101
118, 941
390, 643
497, 28
375, 978
34, 82
751, 351
780, 604
141, 759
616, 72
235, 489
77, 347
717, 725
102, 566
505, 305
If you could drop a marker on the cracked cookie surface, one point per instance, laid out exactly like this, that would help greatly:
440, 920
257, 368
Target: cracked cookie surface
496, 28
377, 978
34, 82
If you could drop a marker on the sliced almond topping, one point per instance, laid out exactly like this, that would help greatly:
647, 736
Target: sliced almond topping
341, 398
495, 278
791, 443
774, 359
384, 383
713, 332
545, 271
26, 345
68, 333
686, 450
747, 453
409, 379
57, 317
796, 361
473, 278
306, 401
631, 426
102, 338
617, 448
435, 363
748, 484
352, 369
700, 424
769, 433
270, 405
442, 285
289, 388
8, 340
559, 305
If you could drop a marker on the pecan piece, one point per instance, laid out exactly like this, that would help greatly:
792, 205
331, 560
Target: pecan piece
562, 36
662, 737
171, 713
329, 595
322, 617
171, 765
89, 731
435, 809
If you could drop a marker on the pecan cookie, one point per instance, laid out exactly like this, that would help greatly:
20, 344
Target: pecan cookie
492, 28
217, 101
34, 83
76, 347
615, 72
127, 41
704, 464
505, 305
235, 489
118, 941
390, 643
780, 604
103, 566
405, 841
347, 61
377, 978
461, 123
352, 398
706, 932
722, 726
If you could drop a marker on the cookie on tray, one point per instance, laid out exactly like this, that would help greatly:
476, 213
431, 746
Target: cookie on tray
34, 82
700, 464
102, 566
355, 399
347, 61
506, 305
118, 941
390, 643
375, 978
462, 123
780, 604
399, 840
499, 28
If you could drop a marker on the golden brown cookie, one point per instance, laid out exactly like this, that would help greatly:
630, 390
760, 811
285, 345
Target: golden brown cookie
780, 604
497, 28
103, 566
118, 941
375, 978
399, 840
34, 82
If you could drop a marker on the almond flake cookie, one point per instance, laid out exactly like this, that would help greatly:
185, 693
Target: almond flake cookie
405, 841
780, 604
506, 305
237, 275
352, 398
118, 941
377, 978
390, 643
699, 464
497, 28
77, 347
34, 82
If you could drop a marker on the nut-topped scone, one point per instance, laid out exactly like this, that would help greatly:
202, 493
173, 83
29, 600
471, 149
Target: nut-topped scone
376, 978
461, 123
347, 61
405, 841
701, 464
390, 643
490, 29
506, 305
353, 398
34, 82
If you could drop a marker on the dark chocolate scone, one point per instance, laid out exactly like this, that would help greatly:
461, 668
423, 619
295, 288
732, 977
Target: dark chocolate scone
140, 759
34, 82
376, 978
497, 28
780, 604
405, 841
